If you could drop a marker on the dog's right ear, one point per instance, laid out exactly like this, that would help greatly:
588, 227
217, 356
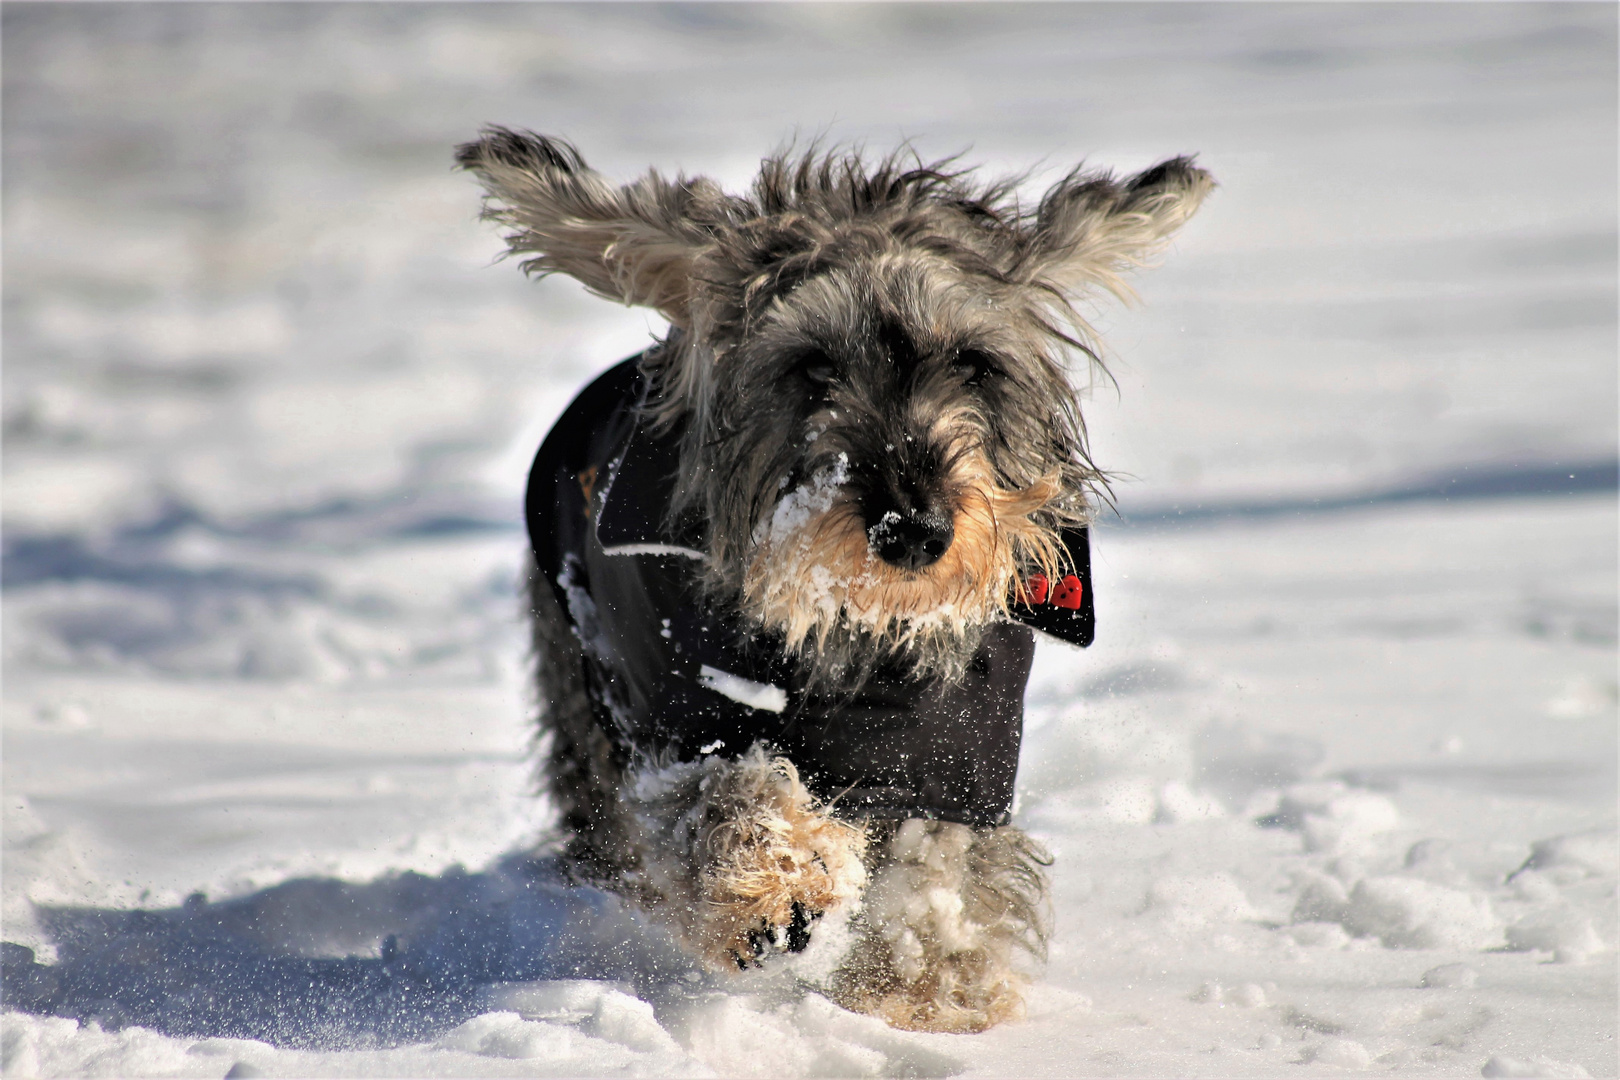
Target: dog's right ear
635, 243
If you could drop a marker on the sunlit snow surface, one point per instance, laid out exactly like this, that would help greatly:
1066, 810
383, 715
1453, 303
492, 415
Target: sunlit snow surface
1333, 792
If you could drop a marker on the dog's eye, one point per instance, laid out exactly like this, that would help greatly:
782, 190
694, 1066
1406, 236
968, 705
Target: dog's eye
817, 369
973, 367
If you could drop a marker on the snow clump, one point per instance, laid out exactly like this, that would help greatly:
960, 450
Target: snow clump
599, 1010
746, 1036
1334, 817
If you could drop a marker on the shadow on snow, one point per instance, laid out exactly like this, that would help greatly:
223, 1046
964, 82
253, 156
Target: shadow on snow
317, 963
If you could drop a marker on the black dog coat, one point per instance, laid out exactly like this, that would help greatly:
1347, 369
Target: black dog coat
668, 674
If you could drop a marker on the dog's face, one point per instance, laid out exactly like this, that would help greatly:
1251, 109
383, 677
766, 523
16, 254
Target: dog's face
866, 371
902, 446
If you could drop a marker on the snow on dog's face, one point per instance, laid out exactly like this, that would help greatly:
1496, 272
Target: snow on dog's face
904, 458
865, 372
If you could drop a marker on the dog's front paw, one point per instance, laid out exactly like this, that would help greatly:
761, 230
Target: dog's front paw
768, 895
764, 940
776, 862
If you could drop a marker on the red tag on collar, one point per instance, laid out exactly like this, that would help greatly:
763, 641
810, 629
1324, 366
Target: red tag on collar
1033, 591
1059, 605
1069, 593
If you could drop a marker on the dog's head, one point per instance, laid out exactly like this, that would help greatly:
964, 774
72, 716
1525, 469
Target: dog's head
866, 370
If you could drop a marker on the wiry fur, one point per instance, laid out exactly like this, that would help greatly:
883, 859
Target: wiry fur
812, 574
862, 355
581, 768
737, 855
946, 916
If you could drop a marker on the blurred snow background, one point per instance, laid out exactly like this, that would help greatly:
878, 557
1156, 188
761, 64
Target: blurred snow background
268, 407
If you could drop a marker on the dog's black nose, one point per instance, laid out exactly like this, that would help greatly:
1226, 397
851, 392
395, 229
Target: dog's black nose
911, 541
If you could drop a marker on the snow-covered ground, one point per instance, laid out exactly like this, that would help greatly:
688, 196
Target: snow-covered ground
1334, 792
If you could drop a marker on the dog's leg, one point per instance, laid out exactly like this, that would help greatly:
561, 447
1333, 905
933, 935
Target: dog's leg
738, 856
948, 911
580, 768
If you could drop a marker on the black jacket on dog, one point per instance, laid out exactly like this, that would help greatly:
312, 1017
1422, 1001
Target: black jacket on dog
669, 675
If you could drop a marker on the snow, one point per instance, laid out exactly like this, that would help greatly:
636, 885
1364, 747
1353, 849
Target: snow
1334, 791
756, 695
799, 507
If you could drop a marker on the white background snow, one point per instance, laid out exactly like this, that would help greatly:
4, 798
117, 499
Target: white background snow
268, 406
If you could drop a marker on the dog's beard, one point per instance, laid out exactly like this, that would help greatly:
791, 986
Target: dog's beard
814, 579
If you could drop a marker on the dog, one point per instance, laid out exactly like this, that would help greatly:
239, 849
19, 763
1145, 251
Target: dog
788, 562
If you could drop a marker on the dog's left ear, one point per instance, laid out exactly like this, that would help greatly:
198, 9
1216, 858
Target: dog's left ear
635, 243
1091, 229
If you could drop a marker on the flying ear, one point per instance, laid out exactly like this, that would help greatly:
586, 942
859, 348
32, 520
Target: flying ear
1091, 229
635, 243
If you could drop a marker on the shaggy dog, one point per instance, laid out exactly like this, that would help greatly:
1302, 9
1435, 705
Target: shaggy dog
786, 562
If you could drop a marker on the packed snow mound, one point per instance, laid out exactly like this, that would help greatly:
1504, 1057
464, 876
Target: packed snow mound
559, 1028
1400, 912
508, 1035
1085, 744
1408, 913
